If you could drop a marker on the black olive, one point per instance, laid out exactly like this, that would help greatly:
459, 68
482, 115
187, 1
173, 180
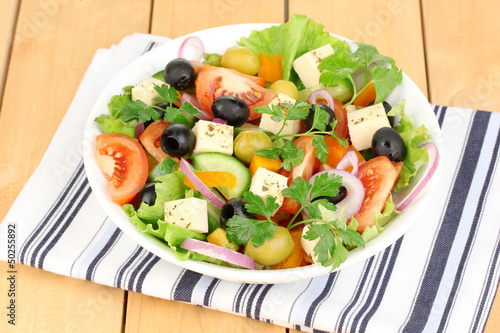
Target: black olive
336, 199
233, 207
147, 195
177, 140
232, 109
310, 117
387, 108
179, 73
387, 142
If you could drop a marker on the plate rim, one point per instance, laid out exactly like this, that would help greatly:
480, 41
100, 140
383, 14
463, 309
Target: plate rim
158, 248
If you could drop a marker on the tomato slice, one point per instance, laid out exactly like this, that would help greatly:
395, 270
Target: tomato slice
124, 163
199, 66
214, 82
378, 176
341, 116
304, 170
151, 138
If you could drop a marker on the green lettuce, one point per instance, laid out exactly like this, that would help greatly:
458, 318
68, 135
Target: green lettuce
292, 39
112, 123
413, 138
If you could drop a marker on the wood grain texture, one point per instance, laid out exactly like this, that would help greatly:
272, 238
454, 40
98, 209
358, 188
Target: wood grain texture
53, 46
394, 27
151, 314
464, 51
170, 18
47, 302
8, 17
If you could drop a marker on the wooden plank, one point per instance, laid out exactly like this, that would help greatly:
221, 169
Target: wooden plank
151, 314
8, 16
394, 27
169, 19
47, 302
54, 44
463, 66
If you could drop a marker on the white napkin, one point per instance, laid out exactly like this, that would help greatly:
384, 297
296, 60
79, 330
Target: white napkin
441, 276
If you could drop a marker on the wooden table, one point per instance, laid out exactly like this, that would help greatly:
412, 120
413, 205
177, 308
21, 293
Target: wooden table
451, 50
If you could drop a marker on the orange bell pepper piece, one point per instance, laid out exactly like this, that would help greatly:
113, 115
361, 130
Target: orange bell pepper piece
366, 97
271, 67
266, 163
213, 179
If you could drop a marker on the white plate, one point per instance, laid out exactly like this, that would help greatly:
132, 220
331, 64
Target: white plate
217, 40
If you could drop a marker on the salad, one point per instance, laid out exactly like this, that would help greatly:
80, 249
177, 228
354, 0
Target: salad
278, 153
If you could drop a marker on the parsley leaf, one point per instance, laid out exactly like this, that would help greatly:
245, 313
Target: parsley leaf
326, 185
322, 149
257, 205
143, 112
240, 229
385, 80
381, 71
298, 190
289, 152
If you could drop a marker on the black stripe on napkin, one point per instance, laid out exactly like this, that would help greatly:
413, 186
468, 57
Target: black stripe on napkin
209, 293
472, 235
357, 294
448, 229
185, 287
104, 251
489, 285
125, 266
58, 204
384, 283
311, 313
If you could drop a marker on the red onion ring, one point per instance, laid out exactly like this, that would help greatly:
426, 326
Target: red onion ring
139, 129
218, 252
432, 165
204, 190
219, 121
322, 93
194, 102
355, 191
350, 158
195, 43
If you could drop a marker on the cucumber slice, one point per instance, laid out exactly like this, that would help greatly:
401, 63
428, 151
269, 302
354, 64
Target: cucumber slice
159, 76
213, 161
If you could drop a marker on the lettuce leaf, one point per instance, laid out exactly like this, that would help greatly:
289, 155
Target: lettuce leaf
412, 137
292, 39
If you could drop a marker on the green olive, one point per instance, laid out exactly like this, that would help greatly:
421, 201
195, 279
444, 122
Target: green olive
272, 251
248, 142
241, 59
285, 87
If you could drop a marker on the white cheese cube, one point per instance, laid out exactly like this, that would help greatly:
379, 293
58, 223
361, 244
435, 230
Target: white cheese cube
363, 123
190, 213
265, 182
291, 126
306, 65
213, 137
308, 245
145, 91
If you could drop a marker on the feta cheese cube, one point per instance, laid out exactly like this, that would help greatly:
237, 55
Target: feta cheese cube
363, 123
265, 182
213, 137
306, 65
145, 91
190, 213
308, 245
291, 126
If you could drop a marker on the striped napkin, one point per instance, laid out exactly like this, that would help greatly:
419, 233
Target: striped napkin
440, 276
